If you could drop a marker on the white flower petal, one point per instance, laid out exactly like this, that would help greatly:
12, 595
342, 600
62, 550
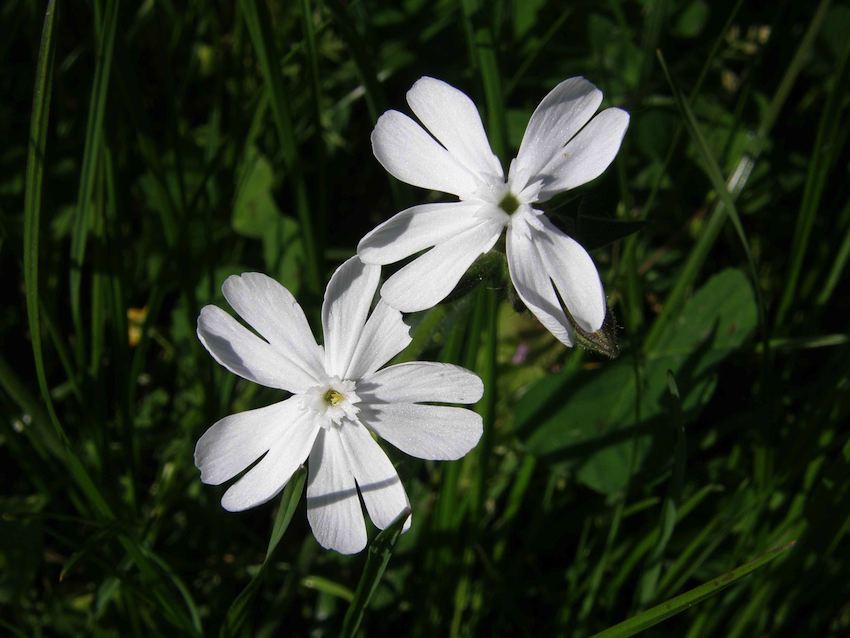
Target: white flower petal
236, 441
383, 337
433, 432
451, 117
268, 477
333, 509
272, 311
587, 155
347, 300
574, 275
420, 381
532, 282
560, 115
376, 477
416, 229
244, 353
411, 155
428, 279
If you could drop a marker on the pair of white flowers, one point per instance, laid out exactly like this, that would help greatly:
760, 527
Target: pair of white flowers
341, 396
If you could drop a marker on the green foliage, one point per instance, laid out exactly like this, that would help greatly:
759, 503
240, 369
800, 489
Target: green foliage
152, 150
603, 423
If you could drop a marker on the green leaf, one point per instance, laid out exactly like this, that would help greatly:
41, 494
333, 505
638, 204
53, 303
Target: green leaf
256, 215
659, 613
691, 20
380, 552
254, 208
601, 423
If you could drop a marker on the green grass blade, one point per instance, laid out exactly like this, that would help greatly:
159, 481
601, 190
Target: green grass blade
362, 55
695, 91
648, 584
534, 52
487, 406
379, 555
327, 586
288, 504
714, 174
659, 613
89, 167
654, 24
798, 63
824, 153
237, 614
838, 265
259, 24
33, 192
307, 12
481, 41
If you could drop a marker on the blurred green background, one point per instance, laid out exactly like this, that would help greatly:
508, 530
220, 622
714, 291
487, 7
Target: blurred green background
152, 149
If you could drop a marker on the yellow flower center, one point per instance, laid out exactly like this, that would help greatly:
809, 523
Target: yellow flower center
332, 397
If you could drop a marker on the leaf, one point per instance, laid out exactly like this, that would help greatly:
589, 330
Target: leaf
254, 208
602, 424
380, 552
659, 613
256, 215
691, 20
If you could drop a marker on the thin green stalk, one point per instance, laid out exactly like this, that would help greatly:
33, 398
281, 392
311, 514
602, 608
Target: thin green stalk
377, 559
824, 153
539, 46
488, 373
481, 42
89, 167
838, 265
238, 611
714, 174
316, 99
737, 180
33, 192
258, 22
692, 96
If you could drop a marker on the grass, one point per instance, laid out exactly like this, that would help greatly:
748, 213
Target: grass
696, 485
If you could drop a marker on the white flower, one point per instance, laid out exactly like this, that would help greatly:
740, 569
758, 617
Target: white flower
340, 397
562, 148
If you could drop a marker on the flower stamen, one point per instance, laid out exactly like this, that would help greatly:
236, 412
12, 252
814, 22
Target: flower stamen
332, 397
